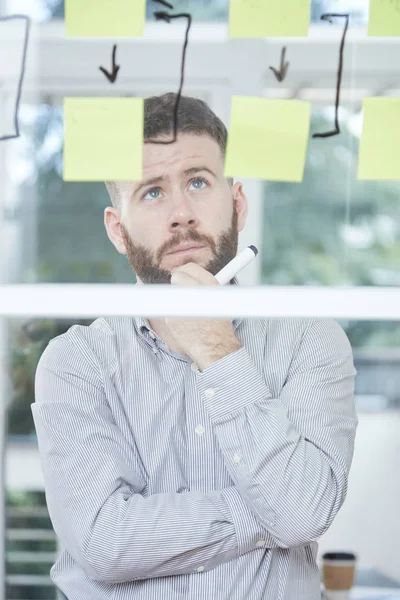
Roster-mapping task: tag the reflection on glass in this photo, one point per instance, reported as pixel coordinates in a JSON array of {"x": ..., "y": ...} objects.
[
  {"x": 332, "y": 229},
  {"x": 201, "y": 10},
  {"x": 329, "y": 230},
  {"x": 57, "y": 227}
]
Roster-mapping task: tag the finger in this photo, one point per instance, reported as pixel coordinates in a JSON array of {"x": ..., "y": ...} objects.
[
  {"x": 197, "y": 272},
  {"x": 182, "y": 278}
]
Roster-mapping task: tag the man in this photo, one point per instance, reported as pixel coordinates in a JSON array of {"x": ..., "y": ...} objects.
[{"x": 191, "y": 458}]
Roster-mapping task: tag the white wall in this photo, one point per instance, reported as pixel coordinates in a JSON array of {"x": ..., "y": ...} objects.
[{"x": 369, "y": 520}]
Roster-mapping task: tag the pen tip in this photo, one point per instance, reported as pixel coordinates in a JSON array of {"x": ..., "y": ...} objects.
[{"x": 254, "y": 249}]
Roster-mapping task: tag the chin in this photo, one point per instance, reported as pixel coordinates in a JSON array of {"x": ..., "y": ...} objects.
[{"x": 186, "y": 260}]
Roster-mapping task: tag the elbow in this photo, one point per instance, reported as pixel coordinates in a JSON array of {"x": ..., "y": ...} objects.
[
  {"x": 105, "y": 564},
  {"x": 304, "y": 523},
  {"x": 96, "y": 567},
  {"x": 95, "y": 559},
  {"x": 101, "y": 571},
  {"x": 291, "y": 537},
  {"x": 100, "y": 568}
]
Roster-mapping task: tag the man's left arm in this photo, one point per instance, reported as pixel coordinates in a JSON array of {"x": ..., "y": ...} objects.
[{"x": 290, "y": 456}]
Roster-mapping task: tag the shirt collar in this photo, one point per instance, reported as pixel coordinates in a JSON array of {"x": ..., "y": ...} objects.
[{"x": 143, "y": 324}]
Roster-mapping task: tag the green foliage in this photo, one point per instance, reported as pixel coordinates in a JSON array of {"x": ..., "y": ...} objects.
[
  {"x": 28, "y": 500},
  {"x": 332, "y": 229}
]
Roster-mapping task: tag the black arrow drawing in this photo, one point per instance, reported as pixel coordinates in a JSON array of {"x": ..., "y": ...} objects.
[
  {"x": 167, "y": 4},
  {"x": 163, "y": 16},
  {"x": 115, "y": 68},
  {"x": 22, "y": 73},
  {"x": 327, "y": 17},
  {"x": 281, "y": 74}
]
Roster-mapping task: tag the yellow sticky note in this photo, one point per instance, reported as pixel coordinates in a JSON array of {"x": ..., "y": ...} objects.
[
  {"x": 384, "y": 18},
  {"x": 105, "y": 18},
  {"x": 268, "y": 139},
  {"x": 103, "y": 139},
  {"x": 269, "y": 18},
  {"x": 380, "y": 139}
]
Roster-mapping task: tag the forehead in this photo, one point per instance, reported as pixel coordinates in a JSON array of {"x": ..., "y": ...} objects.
[
  {"x": 166, "y": 160},
  {"x": 188, "y": 148}
]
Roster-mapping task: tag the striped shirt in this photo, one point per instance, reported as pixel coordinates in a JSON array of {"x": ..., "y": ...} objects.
[{"x": 164, "y": 482}]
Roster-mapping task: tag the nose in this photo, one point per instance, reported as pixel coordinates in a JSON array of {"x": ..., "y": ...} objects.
[{"x": 182, "y": 215}]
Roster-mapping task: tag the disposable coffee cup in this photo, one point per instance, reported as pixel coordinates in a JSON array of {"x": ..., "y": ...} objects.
[{"x": 339, "y": 569}]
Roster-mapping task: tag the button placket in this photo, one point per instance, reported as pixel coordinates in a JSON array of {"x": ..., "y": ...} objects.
[
  {"x": 209, "y": 394},
  {"x": 200, "y": 430},
  {"x": 200, "y": 445}
]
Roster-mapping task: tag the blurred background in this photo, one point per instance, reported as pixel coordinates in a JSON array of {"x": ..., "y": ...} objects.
[{"x": 330, "y": 230}]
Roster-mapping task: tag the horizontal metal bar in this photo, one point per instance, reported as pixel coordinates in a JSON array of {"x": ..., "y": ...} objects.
[
  {"x": 27, "y": 511},
  {"x": 31, "y": 557},
  {"x": 90, "y": 301},
  {"x": 30, "y": 534},
  {"x": 29, "y": 580}
]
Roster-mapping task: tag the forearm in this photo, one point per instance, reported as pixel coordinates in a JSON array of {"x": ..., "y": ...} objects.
[
  {"x": 289, "y": 456},
  {"x": 205, "y": 356},
  {"x": 171, "y": 534}
]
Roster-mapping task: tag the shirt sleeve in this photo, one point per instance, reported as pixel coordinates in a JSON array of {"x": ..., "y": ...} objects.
[
  {"x": 289, "y": 456},
  {"x": 96, "y": 496}
]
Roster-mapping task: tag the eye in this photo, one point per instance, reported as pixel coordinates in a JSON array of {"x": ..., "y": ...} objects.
[
  {"x": 150, "y": 192},
  {"x": 199, "y": 179}
]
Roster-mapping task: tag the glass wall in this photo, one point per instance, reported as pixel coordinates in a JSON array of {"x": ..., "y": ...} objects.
[
  {"x": 201, "y": 10},
  {"x": 330, "y": 230},
  {"x": 32, "y": 545}
]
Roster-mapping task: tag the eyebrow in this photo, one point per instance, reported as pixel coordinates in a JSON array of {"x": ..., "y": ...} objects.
[{"x": 162, "y": 178}]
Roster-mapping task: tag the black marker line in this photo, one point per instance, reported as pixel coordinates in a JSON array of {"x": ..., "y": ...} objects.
[
  {"x": 281, "y": 74},
  {"x": 167, "y": 4},
  {"x": 166, "y": 17},
  {"x": 21, "y": 78},
  {"x": 326, "y": 17},
  {"x": 112, "y": 77}
]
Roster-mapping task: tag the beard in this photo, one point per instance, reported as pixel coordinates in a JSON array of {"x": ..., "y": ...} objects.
[{"x": 145, "y": 264}]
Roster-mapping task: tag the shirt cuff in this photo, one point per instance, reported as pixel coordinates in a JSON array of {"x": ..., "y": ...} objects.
[
  {"x": 250, "y": 535},
  {"x": 230, "y": 384}
]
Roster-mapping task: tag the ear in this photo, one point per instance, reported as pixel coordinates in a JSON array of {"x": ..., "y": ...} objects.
[
  {"x": 112, "y": 223},
  {"x": 241, "y": 203}
]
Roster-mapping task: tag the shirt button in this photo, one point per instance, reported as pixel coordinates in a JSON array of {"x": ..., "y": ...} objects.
[
  {"x": 236, "y": 458},
  {"x": 194, "y": 368},
  {"x": 200, "y": 569},
  {"x": 199, "y": 430},
  {"x": 209, "y": 393},
  {"x": 260, "y": 544}
]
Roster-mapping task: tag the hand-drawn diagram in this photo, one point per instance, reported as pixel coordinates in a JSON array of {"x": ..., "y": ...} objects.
[
  {"x": 115, "y": 68},
  {"x": 164, "y": 16},
  {"x": 281, "y": 74},
  {"x": 327, "y": 17},
  {"x": 3, "y": 21}
]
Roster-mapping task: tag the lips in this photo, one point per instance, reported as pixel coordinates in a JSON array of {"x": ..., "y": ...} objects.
[{"x": 185, "y": 247}]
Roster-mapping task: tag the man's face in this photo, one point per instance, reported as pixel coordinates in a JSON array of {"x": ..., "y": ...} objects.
[{"x": 193, "y": 203}]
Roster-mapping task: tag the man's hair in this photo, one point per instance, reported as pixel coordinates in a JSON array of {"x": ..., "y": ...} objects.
[{"x": 194, "y": 116}]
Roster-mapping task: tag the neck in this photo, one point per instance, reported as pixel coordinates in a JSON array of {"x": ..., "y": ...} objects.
[
  {"x": 158, "y": 324},
  {"x": 161, "y": 329}
]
